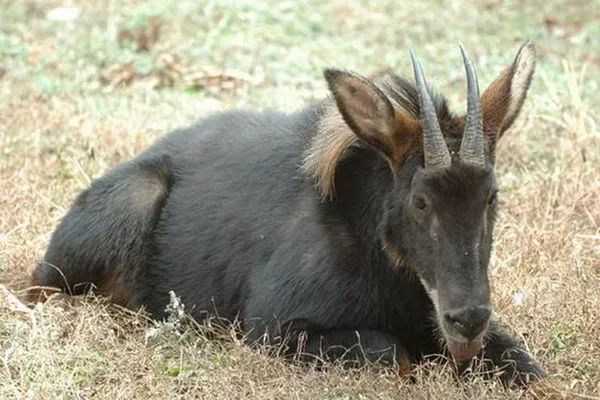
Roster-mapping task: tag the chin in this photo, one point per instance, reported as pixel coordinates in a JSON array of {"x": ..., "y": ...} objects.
[{"x": 464, "y": 350}]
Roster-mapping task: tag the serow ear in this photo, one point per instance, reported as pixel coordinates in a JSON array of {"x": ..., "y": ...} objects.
[
  {"x": 365, "y": 108},
  {"x": 502, "y": 100}
]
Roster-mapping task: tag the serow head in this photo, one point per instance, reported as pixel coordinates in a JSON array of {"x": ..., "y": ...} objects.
[{"x": 438, "y": 216}]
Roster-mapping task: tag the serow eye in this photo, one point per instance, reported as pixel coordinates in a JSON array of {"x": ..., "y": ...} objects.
[
  {"x": 419, "y": 202},
  {"x": 493, "y": 199}
]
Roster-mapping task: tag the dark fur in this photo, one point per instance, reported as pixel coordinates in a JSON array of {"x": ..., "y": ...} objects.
[{"x": 221, "y": 214}]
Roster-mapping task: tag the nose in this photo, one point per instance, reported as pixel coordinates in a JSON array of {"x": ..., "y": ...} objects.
[{"x": 469, "y": 322}]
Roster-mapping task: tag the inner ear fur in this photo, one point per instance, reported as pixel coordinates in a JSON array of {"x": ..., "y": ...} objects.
[
  {"x": 372, "y": 116},
  {"x": 364, "y": 107},
  {"x": 502, "y": 100},
  {"x": 361, "y": 115}
]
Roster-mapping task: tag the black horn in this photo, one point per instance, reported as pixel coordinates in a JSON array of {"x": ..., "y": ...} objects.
[
  {"x": 434, "y": 145},
  {"x": 471, "y": 147}
]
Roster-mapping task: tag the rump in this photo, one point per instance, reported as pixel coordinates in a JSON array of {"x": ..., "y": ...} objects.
[{"x": 104, "y": 238}]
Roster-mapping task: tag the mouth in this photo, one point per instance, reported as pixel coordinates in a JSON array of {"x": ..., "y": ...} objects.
[
  {"x": 464, "y": 350},
  {"x": 461, "y": 348}
]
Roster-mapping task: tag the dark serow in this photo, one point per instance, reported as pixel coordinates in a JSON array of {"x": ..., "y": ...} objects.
[{"x": 359, "y": 227}]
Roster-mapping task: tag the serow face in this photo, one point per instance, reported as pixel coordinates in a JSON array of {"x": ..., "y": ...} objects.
[
  {"x": 451, "y": 214},
  {"x": 444, "y": 212}
]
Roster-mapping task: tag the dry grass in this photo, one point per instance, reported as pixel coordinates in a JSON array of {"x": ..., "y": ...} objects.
[{"x": 60, "y": 126}]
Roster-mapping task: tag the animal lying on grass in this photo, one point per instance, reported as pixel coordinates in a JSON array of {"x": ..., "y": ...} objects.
[{"x": 359, "y": 228}]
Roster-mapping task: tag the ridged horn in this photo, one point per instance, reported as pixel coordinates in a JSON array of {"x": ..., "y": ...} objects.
[
  {"x": 434, "y": 146},
  {"x": 471, "y": 146}
]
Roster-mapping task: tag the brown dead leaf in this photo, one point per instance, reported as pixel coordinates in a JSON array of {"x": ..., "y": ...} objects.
[
  {"x": 173, "y": 73},
  {"x": 561, "y": 28},
  {"x": 550, "y": 21},
  {"x": 116, "y": 75},
  {"x": 216, "y": 79},
  {"x": 169, "y": 71},
  {"x": 143, "y": 37}
]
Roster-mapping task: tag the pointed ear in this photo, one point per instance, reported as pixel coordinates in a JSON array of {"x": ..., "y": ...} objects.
[
  {"x": 502, "y": 100},
  {"x": 365, "y": 108}
]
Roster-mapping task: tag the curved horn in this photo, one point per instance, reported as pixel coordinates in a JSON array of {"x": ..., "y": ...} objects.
[
  {"x": 434, "y": 145},
  {"x": 471, "y": 147}
]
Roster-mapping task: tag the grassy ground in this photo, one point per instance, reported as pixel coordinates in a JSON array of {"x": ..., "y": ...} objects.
[{"x": 79, "y": 95}]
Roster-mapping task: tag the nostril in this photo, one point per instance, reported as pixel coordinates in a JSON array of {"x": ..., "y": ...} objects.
[
  {"x": 451, "y": 319},
  {"x": 455, "y": 323},
  {"x": 469, "y": 322}
]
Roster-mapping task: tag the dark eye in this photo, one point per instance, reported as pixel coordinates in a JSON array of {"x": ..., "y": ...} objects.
[
  {"x": 419, "y": 202},
  {"x": 493, "y": 199}
]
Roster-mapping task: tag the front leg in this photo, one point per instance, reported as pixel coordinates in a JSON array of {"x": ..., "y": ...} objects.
[
  {"x": 506, "y": 358},
  {"x": 354, "y": 347},
  {"x": 358, "y": 347}
]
